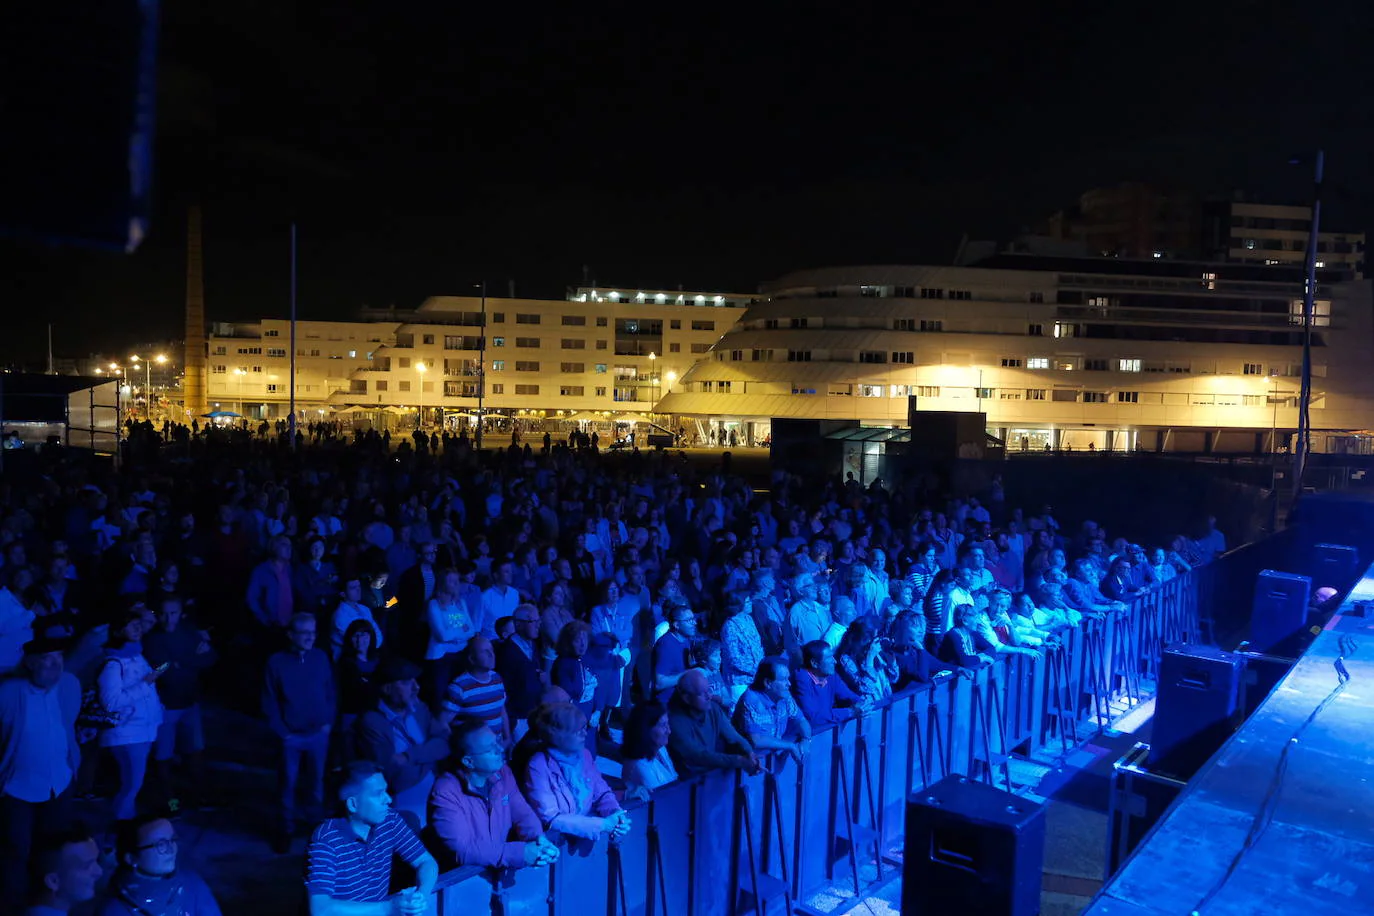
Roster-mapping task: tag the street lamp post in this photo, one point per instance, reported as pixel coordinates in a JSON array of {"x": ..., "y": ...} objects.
[
  {"x": 1274, "y": 421},
  {"x": 420, "y": 411},
  {"x": 653, "y": 375},
  {"x": 161, "y": 359},
  {"x": 240, "y": 372},
  {"x": 482, "y": 367}
]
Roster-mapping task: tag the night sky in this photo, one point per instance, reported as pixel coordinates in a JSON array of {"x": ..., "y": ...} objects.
[{"x": 424, "y": 146}]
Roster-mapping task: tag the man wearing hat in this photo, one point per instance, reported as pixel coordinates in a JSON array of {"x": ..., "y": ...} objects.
[
  {"x": 401, "y": 736},
  {"x": 39, "y": 755}
]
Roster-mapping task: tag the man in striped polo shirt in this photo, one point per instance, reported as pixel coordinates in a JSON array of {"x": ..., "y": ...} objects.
[
  {"x": 478, "y": 690},
  {"x": 348, "y": 861}
]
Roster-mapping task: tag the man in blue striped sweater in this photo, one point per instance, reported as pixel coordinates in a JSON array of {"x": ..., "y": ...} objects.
[{"x": 348, "y": 862}]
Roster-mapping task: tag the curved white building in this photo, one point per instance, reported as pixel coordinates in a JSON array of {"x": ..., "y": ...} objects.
[{"x": 1068, "y": 352}]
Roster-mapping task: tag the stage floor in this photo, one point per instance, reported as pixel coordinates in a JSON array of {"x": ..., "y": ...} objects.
[{"x": 1316, "y": 854}]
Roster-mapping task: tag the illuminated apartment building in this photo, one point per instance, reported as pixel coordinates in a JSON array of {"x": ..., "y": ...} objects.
[
  {"x": 601, "y": 351},
  {"x": 1069, "y": 352}
]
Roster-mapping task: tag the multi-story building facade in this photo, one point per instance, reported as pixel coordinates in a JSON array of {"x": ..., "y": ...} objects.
[
  {"x": 601, "y": 351},
  {"x": 1257, "y": 233},
  {"x": 1137, "y": 221},
  {"x": 1061, "y": 352}
]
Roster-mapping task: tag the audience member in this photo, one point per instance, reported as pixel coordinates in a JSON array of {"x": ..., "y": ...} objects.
[
  {"x": 188, "y": 652},
  {"x": 354, "y": 672},
  {"x": 768, "y": 716},
  {"x": 702, "y": 738},
  {"x": 401, "y": 736},
  {"x": 66, "y": 868},
  {"x": 349, "y": 858},
  {"x": 646, "y": 763},
  {"x": 823, "y": 697},
  {"x": 39, "y": 756},
  {"x": 561, "y": 780},
  {"x": 672, "y": 653},
  {"x": 300, "y": 703},
  {"x": 476, "y": 811},
  {"x": 125, "y": 687},
  {"x": 478, "y": 691},
  {"x": 148, "y": 881}
]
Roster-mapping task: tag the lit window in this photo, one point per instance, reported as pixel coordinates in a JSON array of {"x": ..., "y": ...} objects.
[
  {"x": 1038, "y": 362},
  {"x": 1128, "y": 365}
]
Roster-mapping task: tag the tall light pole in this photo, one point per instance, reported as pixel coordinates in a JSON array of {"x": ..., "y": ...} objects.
[
  {"x": 116, "y": 370},
  {"x": 1274, "y": 421},
  {"x": 161, "y": 360},
  {"x": 240, "y": 372},
  {"x": 420, "y": 411},
  {"x": 482, "y": 366},
  {"x": 653, "y": 375},
  {"x": 1303, "y": 445}
]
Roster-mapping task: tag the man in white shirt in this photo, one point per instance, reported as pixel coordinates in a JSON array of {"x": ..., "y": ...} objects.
[
  {"x": 501, "y": 599},
  {"x": 39, "y": 756}
]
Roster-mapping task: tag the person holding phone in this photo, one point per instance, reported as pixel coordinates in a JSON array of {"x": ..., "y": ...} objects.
[{"x": 126, "y": 686}]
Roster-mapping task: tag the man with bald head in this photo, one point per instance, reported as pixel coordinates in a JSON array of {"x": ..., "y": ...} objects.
[{"x": 702, "y": 737}]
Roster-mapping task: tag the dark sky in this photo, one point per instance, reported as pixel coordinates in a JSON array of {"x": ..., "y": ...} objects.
[{"x": 424, "y": 146}]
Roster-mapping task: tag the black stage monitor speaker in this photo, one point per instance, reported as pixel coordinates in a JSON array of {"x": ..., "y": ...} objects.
[
  {"x": 1279, "y": 611},
  {"x": 970, "y": 849},
  {"x": 1196, "y": 707},
  {"x": 1334, "y": 565}
]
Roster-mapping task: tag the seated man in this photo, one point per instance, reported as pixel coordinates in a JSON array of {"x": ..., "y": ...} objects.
[
  {"x": 768, "y": 716},
  {"x": 66, "y": 867},
  {"x": 823, "y": 698},
  {"x": 477, "y": 812},
  {"x": 702, "y": 737},
  {"x": 348, "y": 861},
  {"x": 148, "y": 880}
]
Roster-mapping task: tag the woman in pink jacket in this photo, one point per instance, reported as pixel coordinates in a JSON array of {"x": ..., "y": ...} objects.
[{"x": 562, "y": 783}]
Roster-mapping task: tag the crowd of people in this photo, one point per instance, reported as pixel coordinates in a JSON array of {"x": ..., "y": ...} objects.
[{"x": 477, "y": 658}]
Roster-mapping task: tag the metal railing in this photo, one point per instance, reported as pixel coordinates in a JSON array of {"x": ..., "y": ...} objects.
[{"x": 727, "y": 843}]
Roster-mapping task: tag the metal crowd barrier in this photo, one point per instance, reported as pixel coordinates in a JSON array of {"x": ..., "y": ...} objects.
[{"x": 727, "y": 843}]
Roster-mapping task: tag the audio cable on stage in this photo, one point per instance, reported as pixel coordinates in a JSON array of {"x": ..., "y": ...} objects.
[{"x": 1265, "y": 815}]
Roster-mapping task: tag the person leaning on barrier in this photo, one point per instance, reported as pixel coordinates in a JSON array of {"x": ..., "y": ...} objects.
[
  {"x": 476, "y": 811},
  {"x": 768, "y": 716},
  {"x": 702, "y": 737},
  {"x": 349, "y": 859},
  {"x": 1119, "y": 583},
  {"x": 646, "y": 763},
  {"x": 823, "y": 697},
  {"x": 561, "y": 780},
  {"x": 964, "y": 645},
  {"x": 906, "y": 648}
]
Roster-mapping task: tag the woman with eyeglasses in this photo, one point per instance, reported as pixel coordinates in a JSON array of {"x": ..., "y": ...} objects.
[
  {"x": 561, "y": 780},
  {"x": 148, "y": 881}
]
